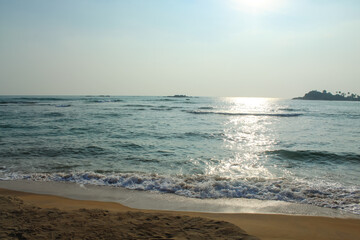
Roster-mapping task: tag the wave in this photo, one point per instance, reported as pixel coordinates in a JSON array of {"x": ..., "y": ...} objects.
[
  {"x": 337, "y": 115},
  {"x": 104, "y": 100},
  {"x": 54, "y": 114},
  {"x": 165, "y": 100},
  {"x": 7, "y": 126},
  {"x": 162, "y": 109},
  {"x": 27, "y": 127},
  {"x": 63, "y": 105},
  {"x": 248, "y": 114},
  {"x": 200, "y": 186},
  {"x": 80, "y": 152},
  {"x": 186, "y": 135},
  {"x": 142, "y": 107},
  {"x": 129, "y": 145},
  {"x": 115, "y": 114},
  {"x": 18, "y": 102},
  {"x": 292, "y": 109},
  {"x": 138, "y": 105},
  {"x": 315, "y": 156}
]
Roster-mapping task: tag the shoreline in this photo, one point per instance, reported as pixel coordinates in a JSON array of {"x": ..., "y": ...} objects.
[
  {"x": 263, "y": 226},
  {"x": 146, "y": 200}
]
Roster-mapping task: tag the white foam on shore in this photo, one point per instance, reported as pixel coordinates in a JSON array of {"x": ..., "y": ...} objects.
[
  {"x": 158, "y": 201},
  {"x": 329, "y": 195}
]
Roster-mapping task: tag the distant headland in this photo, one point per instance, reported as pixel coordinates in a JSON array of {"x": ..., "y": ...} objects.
[{"x": 328, "y": 96}]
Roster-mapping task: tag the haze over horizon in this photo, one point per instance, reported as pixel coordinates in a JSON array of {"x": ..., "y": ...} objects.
[{"x": 244, "y": 48}]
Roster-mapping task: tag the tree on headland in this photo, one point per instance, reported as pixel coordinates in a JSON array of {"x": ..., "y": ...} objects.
[{"x": 325, "y": 95}]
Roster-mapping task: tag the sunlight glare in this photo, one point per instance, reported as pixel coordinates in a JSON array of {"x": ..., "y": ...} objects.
[{"x": 258, "y": 6}]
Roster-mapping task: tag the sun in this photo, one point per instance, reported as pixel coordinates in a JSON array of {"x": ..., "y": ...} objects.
[{"x": 258, "y": 6}]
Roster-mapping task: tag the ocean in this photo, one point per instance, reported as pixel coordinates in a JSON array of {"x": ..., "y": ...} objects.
[{"x": 295, "y": 151}]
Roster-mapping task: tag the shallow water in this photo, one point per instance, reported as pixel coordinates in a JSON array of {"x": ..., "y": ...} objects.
[
  {"x": 267, "y": 149},
  {"x": 169, "y": 202}
]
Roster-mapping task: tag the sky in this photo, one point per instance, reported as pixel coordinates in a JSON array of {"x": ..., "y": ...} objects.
[{"x": 239, "y": 48}]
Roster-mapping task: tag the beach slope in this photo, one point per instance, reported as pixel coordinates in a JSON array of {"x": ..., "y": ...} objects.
[
  {"x": 28, "y": 216},
  {"x": 34, "y": 216}
]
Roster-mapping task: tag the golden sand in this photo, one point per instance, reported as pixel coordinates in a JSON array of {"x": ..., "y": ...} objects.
[{"x": 35, "y": 216}]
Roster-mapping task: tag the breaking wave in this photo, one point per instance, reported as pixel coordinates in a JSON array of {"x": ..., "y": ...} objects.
[
  {"x": 315, "y": 156},
  {"x": 200, "y": 186}
]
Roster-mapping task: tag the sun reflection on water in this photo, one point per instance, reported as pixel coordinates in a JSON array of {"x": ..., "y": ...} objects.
[
  {"x": 246, "y": 136},
  {"x": 249, "y": 104}
]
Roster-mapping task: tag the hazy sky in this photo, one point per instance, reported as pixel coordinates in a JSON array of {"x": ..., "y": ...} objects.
[{"x": 259, "y": 48}]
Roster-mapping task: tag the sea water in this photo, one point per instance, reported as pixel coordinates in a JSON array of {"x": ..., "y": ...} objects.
[{"x": 197, "y": 147}]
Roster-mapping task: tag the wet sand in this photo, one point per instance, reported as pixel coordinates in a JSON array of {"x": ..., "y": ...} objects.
[{"x": 36, "y": 216}]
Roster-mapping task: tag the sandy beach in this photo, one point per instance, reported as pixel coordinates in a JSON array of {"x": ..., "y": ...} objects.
[
  {"x": 37, "y": 216},
  {"x": 198, "y": 119}
]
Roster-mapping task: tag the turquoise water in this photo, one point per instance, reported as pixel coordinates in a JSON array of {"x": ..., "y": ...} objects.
[{"x": 269, "y": 149}]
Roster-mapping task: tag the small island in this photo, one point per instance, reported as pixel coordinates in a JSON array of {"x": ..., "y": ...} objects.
[{"x": 328, "y": 96}]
